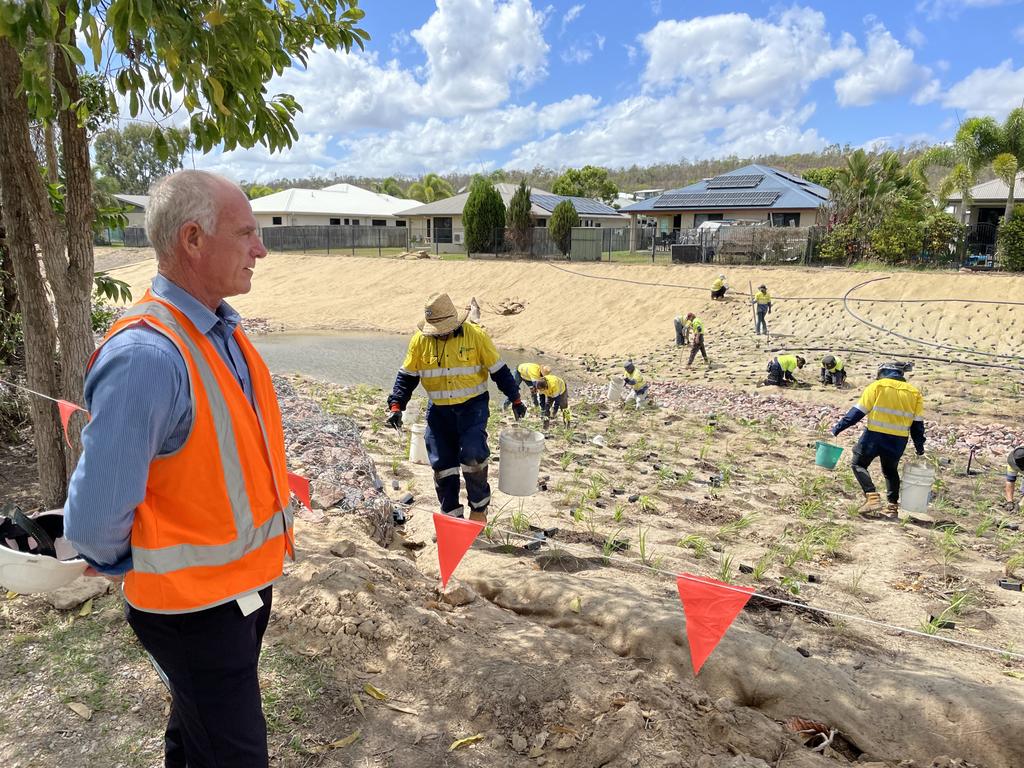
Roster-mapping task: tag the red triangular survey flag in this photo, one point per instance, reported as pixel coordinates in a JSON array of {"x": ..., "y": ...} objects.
[
  {"x": 454, "y": 535},
  {"x": 66, "y": 409},
  {"x": 299, "y": 485},
  {"x": 710, "y": 607}
]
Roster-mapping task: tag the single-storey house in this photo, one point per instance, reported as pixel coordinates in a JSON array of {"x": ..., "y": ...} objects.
[
  {"x": 988, "y": 201},
  {"x": 754, "y": 193},
  {"x": 136, "y": 205},
  {"x": 336, "y": 205},
  {"x": 441, "y": 220}
]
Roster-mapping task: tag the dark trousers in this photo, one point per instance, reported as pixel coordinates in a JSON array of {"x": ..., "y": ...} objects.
[
  {"x": 761, "y": 324},
  {"x": 720, "y": 293},
  {"x": 682, "y": 331},
  {"x": 697, "y": 346},
  {"x": 456, "y": 438},
  {"x": 557, "y": 403},
  {"x": 210, "y": 658},
  {"x": 776, "y": 376},
  {"x": 838, "y": 378},
  {"x": 873, "y": 446}
]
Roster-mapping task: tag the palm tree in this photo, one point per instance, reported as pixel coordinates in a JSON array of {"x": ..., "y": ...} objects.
[
  {"x": 389, "y": 186},
  {"x": 430, "y": 188}
]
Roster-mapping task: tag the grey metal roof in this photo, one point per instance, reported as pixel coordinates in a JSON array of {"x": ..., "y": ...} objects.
[
  {"x": 776, "y": 190},
  {"x": 583, "y": 205},
  {"x": 543, "y": 203},
  {"x": 139, "y": 201},
  {"x": 994, "y": 190}
]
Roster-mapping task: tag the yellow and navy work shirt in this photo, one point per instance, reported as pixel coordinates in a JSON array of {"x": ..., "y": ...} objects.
[
  {"x": 551, "y": 385},
  {"x": 836, "y": 366},
  {"x": 762, "y": 298},
  {"x": 636, "y": 378},
  {"x": 530, "y": 372},
  {"x": 891, "y": 406},
  {"x": 787, "y": 363},
  {"x": 455, "y": 368},
  {"x": 717, "y": 285}
]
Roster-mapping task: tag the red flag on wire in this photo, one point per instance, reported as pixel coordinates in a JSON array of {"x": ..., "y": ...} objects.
[
  {"x": 454, "y": 535},
  {"x": 66, "y": 409},
  {"x": 710, "y": 607},
  {"x": 299, "y": 485}
]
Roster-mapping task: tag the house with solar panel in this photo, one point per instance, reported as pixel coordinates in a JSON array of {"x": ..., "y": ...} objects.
[
  {"x": 753, "y": 194},
  {"x": 440, "y": 222}
]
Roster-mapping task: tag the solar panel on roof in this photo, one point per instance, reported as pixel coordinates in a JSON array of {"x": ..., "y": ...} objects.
[
  {"x": 739, "y": 181},
  {"x": 581, "y": 204},
  {"x": 717, "y": 199}
]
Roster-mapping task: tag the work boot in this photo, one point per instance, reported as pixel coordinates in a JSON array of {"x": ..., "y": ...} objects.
[
  {"x": 892, "y": 509},
  {"x": 872, "y": 503},
  {"x": 478, "y": 515}
]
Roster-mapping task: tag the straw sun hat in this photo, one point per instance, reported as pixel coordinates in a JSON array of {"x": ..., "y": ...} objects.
[{"x": 440, "y": 317}]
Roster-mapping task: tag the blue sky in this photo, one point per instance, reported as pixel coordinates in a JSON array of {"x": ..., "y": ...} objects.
[{"x": 481, "y": 84}]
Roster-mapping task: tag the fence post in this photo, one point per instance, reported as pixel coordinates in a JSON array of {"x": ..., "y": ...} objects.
[
  {"x": 378, "y": 242},
  {"x": 654, "y": 242},
  {"x": 328, "y": 241}
]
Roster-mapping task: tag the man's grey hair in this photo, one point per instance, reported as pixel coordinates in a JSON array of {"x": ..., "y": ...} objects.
[{"x": 177, "y": 199}]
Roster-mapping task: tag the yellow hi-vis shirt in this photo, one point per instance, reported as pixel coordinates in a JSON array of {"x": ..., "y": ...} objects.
[
  {"x": 719, "y": 282},
  {"x": 891, "y": 406},
  {"x": 454, "y": 369},
  {"x": 697, "y": 325},
  {"x": 762, "y": 297},
  {"x": 787, "y": 362},
  {"x": 838, "y": 366},
  {"x": 530, "y": 371},
  {"x": 638, "y": 379},
  {"x": 551, "y": 385}
]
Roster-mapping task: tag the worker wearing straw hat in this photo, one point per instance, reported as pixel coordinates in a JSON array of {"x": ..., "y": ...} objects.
[{"x": 453, "y": 358}]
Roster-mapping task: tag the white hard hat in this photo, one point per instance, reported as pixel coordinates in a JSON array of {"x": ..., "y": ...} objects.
[{"x": 34, "y": 555}]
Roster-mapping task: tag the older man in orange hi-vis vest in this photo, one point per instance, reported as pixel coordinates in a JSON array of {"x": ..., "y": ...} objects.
[{"x": 181, "y": 489}]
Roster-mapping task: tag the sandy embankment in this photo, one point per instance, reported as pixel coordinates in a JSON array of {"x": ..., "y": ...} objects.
[{"x": 577, "y": 314}]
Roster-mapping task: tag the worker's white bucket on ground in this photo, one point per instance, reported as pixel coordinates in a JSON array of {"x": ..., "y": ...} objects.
[
  {"x": 916, "y": 488},
  {"x": 614, "y": 389},
  {"x": 519, "y": 465},
  {"x": 418, "y": 444}
]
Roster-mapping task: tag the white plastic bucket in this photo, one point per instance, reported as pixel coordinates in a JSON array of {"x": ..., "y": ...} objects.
[
  {"x": 916, "y": 488},
  {"x": 418, "y": 444},
  {"x": 614, "y": 389},
  {"x": 519, "y": 465}
]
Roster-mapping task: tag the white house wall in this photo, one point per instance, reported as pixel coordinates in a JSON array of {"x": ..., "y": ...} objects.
[
  {"x": 306, "y": 219},
  {"x": 808, "y": 217}
]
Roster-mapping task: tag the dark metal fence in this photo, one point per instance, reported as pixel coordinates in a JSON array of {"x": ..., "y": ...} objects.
[
  {"x": 129, "y": 237},
  {"x": 737, "y": 245},
  {"x": 335, "y": 239}
]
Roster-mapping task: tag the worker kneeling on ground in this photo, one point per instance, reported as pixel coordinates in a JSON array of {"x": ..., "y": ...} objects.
[
  {"x": 638, "y": 386},
  {"x": 453, "y": 358},
  {"x": 529, "y": 374},
  {"x": 895, "y": 412},
  {"x": 780, "y": 370},
  {"x": 718, "y": 288},
  {"x": 1014, "y": 462},
  {"x": 833, "y": 371},
  {"x": 556, "y": 398}
]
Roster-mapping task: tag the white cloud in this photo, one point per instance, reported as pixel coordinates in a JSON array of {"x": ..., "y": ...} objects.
[
  {"x": 886, "y": 69},
  {"x": 936, "y": 9},
  {"x": 600, "y": 40},
  {"x": 631, "y": 52},
  {"x": 400, "y": 40},
  {"x": 571, "y": 15},
  {"x": 994, "y": 91},
  {"x": 656, "y": 7},
  {"x": 916, "y": 37},
  {"x": 1018, "y": 33},
  {"x": 576, "y": 54}
]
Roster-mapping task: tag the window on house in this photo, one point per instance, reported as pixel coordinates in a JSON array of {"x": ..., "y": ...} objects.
[
  {"x": 335, "y": 222},
  {"x": 379, "y": 222},
  {"x": 275, "y": 221},
  {"x": 400, "y": 223},
  {"x": 700, "y": 218},
  {"x": 355, "y": 222},
  {"x": 785, "y": 219},
  {"x": 346, "y": 222},
  {"x": 542, "y": 222}
]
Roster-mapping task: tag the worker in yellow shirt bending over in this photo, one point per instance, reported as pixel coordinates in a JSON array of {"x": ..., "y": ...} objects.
[
  {"x": 895, "y": 412},
  {"x": 452, "y": 359},
  {"x": 833, "y": 371},
  {"x": 529, "y": 374},
  {"x": 554, "y": 398},
  {"x": 718, "y": 288},
  {"x": 782, "y": 368},
  {"x": 638, "y": 386}
]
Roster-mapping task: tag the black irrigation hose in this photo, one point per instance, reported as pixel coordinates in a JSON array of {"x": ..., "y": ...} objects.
[
  {"x": 953, "y": 361},
  {"x": 790, "y": 298},
  {"x": 922, "y": 342}
]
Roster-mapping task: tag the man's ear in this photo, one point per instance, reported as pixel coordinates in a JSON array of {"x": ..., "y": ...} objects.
[{"x": 190, "y": 236}]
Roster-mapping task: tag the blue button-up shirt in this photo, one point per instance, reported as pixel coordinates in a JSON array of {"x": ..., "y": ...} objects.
[{"x": 137, "y": 394}]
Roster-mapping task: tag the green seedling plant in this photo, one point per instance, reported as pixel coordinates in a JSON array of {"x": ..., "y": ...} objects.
[
  {"x": 645, "y": 550},
  {"x": 565, "y": 460},
  {"x": 725, "y": 569},
  {"x": 698, "y": 544},
  {"x": 764, "y": 562},
  {"x": 735, "y": 527},
  {"x": 618, "y": 512},
  {"x": 647, "y": 504},
  {"x": 1013, "y": 563},
  {"x": 611, "y": 545}
]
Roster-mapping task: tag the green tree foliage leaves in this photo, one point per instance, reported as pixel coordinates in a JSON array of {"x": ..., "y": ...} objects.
[
  {"x": 520, "y": 220},
  {"x": 1011, "y": 241},
  {"x": 563, "y": 219},
  {"x": 483, "y": 216},
  {"x": 430, "y": 188},
  {"x": 131, "y": 159},
  {"x": 588, "y": 181}
]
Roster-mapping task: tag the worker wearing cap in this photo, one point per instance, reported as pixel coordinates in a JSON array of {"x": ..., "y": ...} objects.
[
  {"x": 637, "y": 384},
  {"x": 1014, "y": 462},
  {"x": 697, "y": 333},
  {"x": 682, "y": 326},
  {"x": 763, "y": 305},
  {"x": 833, "y": 371},
  {"x": 895, "y": 413},
  {"x": 556, "y": 397},
  {"x": 782, "y": 368},
  {"x": 529, "y": 374},
  {"x": 718, "y": 288},
  {"x": 452, "y": 359}
]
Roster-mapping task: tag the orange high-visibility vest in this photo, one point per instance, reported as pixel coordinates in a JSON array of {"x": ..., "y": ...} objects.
[{"x": 216, "y": 522}]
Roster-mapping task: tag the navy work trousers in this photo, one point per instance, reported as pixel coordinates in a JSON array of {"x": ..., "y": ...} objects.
[
  {"x": 210, "y": 658},
  {"x": 761, "y": 324},
  {"x": 889, "y": 450},
  {"x": 456, "y": 438}
]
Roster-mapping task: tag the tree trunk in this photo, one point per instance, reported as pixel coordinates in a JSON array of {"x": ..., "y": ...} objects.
[
  {"x": 75, "y": 313},
  {"x": 1008, "y": 213},
  {"x": 40, "y": 340},
  {"x": 30, "y": 221}
]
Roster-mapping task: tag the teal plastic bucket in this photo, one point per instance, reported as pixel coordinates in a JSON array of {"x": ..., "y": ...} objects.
[{"x": 827, "y": 455}]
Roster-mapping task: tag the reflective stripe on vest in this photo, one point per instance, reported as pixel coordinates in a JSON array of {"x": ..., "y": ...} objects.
[
  {"x": 449, "y": 394},
  {"x": 433, "y": 373},
  {"x": 895, "y": 429}
]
